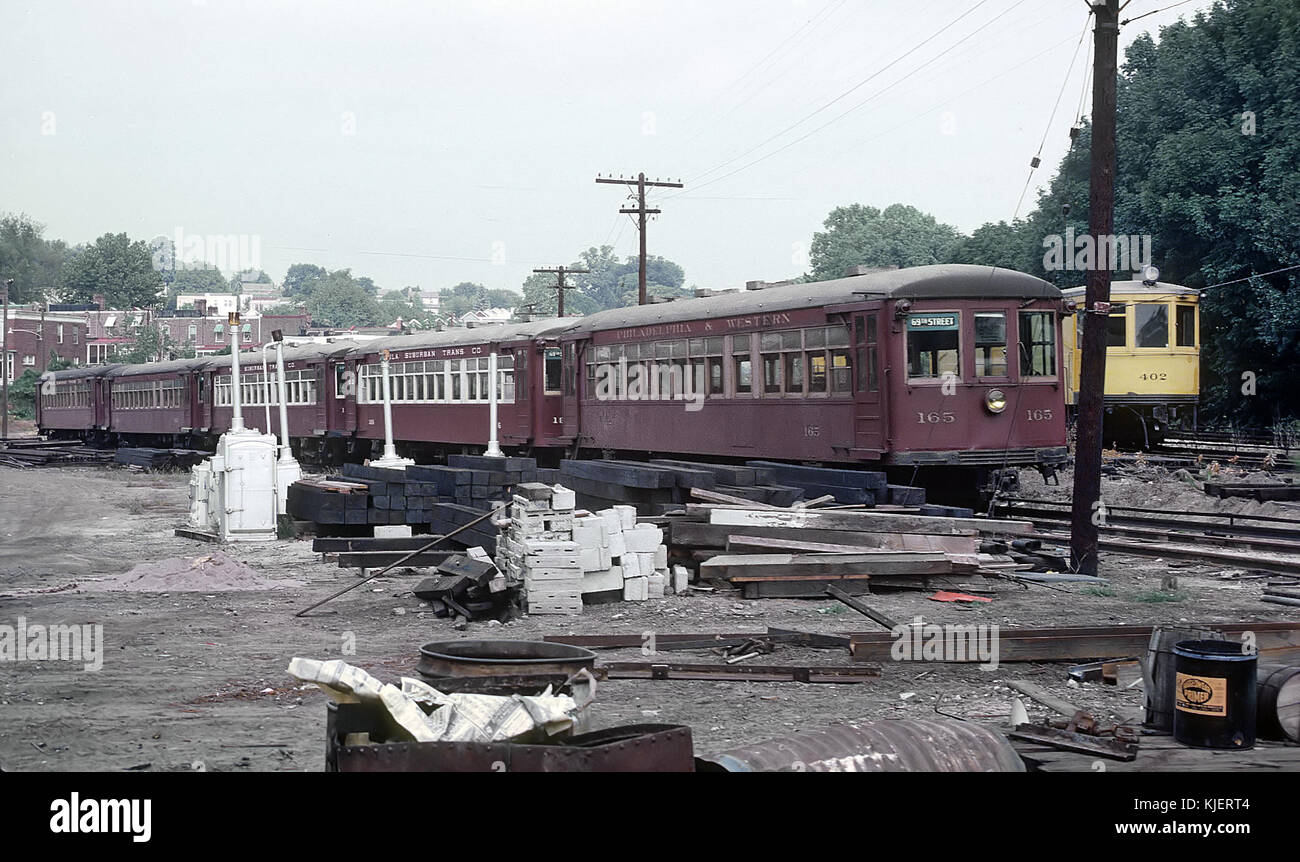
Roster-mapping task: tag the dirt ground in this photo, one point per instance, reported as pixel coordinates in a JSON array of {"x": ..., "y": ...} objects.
[{"x": 194, "y": 680}]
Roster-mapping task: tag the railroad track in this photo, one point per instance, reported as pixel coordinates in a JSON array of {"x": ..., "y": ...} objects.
[
  {"x": 1255, "y": 541},
  {"x": 1277, "y": 453}
]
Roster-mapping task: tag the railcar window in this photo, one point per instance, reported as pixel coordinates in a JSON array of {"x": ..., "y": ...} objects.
[
  {"x": 1116, "y": 327},
  {"x": 743, "y": 369},
  {"x": 551, "y": 371},
  {"x": 1185, "y": 325},
  {"x": 1152, "y": 323},
  {"x": 990, "y": 344},
  {"x": 1037, "y": 344},
  {"x": 706, "y": 364},
  {"x": 933, "y": 345}
]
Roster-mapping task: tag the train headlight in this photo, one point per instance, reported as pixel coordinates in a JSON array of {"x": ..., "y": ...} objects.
[{"x": 995, "y": 400}]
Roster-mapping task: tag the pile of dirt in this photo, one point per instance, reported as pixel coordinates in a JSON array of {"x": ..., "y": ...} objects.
[{"x": 210, "y": 573}]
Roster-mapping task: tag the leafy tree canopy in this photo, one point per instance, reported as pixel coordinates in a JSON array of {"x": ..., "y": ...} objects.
[
  {"x": 858, "y": 235},
  {"x": 117, "y": 267}
]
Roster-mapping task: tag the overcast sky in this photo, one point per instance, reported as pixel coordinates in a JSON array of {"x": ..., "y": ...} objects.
[{"x": 432, "y": 143}]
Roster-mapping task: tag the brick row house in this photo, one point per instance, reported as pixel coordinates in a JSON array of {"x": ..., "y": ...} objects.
[{"x": 31, "y": 337}]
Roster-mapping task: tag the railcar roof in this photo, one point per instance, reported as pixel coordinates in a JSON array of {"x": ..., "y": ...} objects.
[
  {"x": 157, "y": 367},
  {"x": 943, "y": 281},
  {"x": 82, "y": 371},
  {"x": 292, "y": 353},
  {"x": 490, "y": 333},
  {"x": 1139, "y": 288}
]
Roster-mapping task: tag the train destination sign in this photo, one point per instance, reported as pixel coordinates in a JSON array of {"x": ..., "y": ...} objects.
[{"x": 932, "y": 322}]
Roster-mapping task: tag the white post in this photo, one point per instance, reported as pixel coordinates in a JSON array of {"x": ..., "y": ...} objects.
[
  {"x": 286, "y": 453},
  {"x": 493, "y": 447},
  {"x": 389, "y": 458},
  {"x": 266, "y": 388},
  {"x": 237, "y": 420},
  {"x": 287, "y": 470}
]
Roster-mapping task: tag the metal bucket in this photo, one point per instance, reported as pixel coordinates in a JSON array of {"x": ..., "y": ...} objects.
[{"x": 1214, "y": 694}]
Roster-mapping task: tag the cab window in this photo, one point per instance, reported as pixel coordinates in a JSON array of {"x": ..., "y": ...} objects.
[
  {"x": 990, "y": 344},
  {"x": 1037, "y": 344},
  {"x": 1151, "y": 323},
  {"x": 1185, "y": 325},
  {"x": 551, "y": 371},
  {"x": 933, "y": 345}
]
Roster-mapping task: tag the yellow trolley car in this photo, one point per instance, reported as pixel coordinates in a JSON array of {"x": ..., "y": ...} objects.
[{"x": 1153, "y": 361}]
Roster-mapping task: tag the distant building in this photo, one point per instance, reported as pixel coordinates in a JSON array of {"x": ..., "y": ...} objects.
[{"x": 31, "y": 337}]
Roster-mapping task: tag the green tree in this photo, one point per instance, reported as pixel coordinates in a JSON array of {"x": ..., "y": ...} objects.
[
  {"x": 610, "y": 283},
  {"x": 122, "y": 270},
  {"x": 33, "y": 262},
  {"x": 397, "y": 303},
  {"x": 194, "y": 279},
  {"x": 302, "y": 279},
  {"x": 339, "y": 301},
  {"x": 859, "y": 235}
]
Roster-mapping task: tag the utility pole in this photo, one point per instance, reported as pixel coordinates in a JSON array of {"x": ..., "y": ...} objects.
[
  {"x": 1087, "y": 512},
  {"x": 560, "y": 287},
  {"x": 640, "y": 212}
]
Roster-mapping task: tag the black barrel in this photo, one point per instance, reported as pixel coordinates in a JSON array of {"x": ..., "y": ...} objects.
[{"x": 1214, "y": 694}]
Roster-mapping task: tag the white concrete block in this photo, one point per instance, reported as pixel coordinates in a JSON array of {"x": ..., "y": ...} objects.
[
  {"x": 644, "y": 539},
  {"x": 646, "y": 563},
  {"x": 548, "y": 546},
  {"x": 616, "y": 544},
  {"x": 392, "y": 531},
  {"x": 635, "y": 589},
  {"x": 613, "y": 523},
  {"x": 655, "y": 586},
  {"x": 626, "y": 516},
  {"x": 681, "y": 579},
  {"x": 603, "y": 581},
  {"x": 661, "y": 557},
  {"x": 562, "y": 499},
  {"x": 631, "y": 566}
]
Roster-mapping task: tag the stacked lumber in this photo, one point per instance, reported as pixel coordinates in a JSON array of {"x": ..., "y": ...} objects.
[
  {"x": 158, "y": 459},
  {"x": 854, "y": 487},
  {"x": 468, "y": 585},
  {"x": 447, "y": 517},
  {"x": 50, "y": 454},
  {"x": 326, "y": 501},
  {"x": 801, "y": 552}
]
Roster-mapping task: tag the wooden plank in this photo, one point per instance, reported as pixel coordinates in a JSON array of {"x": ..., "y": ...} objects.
[
  {"x": 717, "y": 497},
  {"x": 693, "y": 534},
  {"x": 861, "y": 607},
  {"x": 792, "y": 566},
  {"x": 873, "y": 521},
  {"x": 739, "y": 672},
  {"x": 1265, "y": 562},
  {"x": 379, "y": 559},
  {"x": 627, "y": 475}
]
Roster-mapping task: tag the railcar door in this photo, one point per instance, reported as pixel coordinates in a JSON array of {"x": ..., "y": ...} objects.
[
  {"x": 344, "y": 397},
  {"x": 869, "y": 405},
  {"x": 571, "y": 358},
  {"x": 522, "y": 426},
  {"x": 320, "y": 410}
]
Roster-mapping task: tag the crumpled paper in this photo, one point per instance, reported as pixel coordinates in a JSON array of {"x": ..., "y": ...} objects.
[{"x": 455, "y": 717}]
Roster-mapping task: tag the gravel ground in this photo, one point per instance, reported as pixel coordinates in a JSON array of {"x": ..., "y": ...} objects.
[{"x": 196, "y": 680}]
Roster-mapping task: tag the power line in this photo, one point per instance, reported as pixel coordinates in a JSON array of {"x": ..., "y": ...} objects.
[
  {"x": 1038, "y": 156},
  {"x": 844, "y": 94},
  {"x": 794, "y": 38},
  {"x": 1249, "y": 277},
  {"x": 841, "y": 116},
  {"x": 560, "y": 287},
  {"x": 1145, "y": 14}
]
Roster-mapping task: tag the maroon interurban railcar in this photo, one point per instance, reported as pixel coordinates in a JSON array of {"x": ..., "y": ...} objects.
[
  {"x": 947, "y": 376},
  {"x": 439, "y": 388},
  {"x": 933, "y": 372},
  {"x": 314, "y": 400},
  {"x": 70, "y": 405}
]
